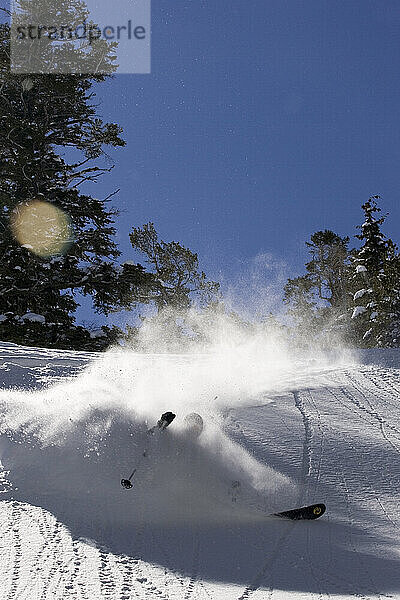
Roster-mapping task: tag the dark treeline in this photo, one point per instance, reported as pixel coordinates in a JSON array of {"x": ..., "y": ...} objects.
[{"x": 57, "y": 242}]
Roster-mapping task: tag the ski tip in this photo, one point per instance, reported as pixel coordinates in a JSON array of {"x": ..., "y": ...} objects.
[{"x": 308, "y": 513}]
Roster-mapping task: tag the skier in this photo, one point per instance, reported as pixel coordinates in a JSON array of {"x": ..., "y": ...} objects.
[
  {"x": 195, "y": 422},
  {"x": 166, "y": 419}
]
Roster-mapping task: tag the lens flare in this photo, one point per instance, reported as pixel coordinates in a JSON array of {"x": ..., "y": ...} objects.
[{"x": 42, "y": 227}]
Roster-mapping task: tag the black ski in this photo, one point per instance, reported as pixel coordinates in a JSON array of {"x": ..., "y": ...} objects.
[{"x": 309, "y": 513}]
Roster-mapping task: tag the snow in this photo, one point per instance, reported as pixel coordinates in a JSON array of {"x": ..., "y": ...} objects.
[
  {"x": 359, "y": 294},
  {"x": 290, "y": 431},
  {"x": 97, "y": 333},
  {"x": 164, "y": 284},
  {"x": 129, "y": 262},
  {"x": 373, "y": 315},
  {"x": 33, "y": 317},
  {"x": 3, "y": 318},
  {"x": 361, "y": 269},
  {"x": 358, "y": 310}
]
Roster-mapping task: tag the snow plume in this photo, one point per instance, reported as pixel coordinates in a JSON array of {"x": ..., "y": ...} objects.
[
  {"x": 257, "y": 290},
  {"x": 82, "y": 434},
  {"x": 230, "y": 368}
]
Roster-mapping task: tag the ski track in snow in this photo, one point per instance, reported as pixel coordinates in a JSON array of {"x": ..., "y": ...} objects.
[
  {"x": 302, "y": 500},
  {"x": 41, "y": 561},
  {"x": 339, "y": 443}
]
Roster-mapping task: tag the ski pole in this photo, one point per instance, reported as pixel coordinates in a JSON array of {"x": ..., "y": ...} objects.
[
  {"x": 133, "y": 472},
  {"x": 166, "y": 419}
]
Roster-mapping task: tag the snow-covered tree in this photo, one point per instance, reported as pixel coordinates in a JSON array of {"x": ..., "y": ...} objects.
[
  {"x": 55, "y": 239},
  {"x": 376, "y": 283}
]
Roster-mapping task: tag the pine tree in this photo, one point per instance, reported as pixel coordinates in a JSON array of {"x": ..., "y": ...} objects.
[
  {"x": 73, "y": 248},
  {"x": 299, "y": 295},
  {"x": 176, "y": 276},
  {"x": 329, "y": 266},
  {"x": 318, "y": 300},
  {"x": 389, "y": 334},
  {"x": 376, "y": 281}
]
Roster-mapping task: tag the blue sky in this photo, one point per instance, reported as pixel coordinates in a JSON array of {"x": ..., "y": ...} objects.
[{"x": 261, "y": 122}]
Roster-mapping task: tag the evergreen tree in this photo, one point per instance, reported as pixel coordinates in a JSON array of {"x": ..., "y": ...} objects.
[
  {"x": 55, "y": 240},
  {"x": 319, "y": 299},
  {"x": 328, "y": 268},
  {"x": 176, "y": 276},
  {"x": 299, "y": 295},
  {"x": 376, "y": 281}
]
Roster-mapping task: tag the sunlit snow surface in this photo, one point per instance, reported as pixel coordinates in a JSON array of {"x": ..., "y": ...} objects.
[{"x": 289, "y": 431}]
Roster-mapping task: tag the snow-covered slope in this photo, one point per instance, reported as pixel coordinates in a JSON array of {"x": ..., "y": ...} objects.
[{"x": 279, "y": 432}]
